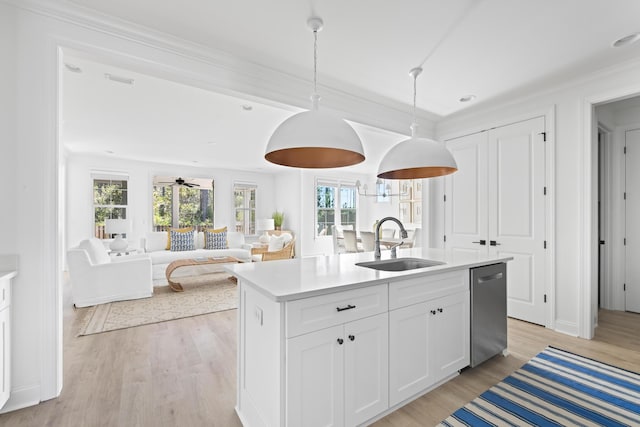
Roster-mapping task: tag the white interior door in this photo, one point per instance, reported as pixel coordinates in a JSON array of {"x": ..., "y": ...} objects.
[
  {"x": 517, "y": 213},
  {"x": 632, "y": 221},
  {"x": 495, "y": 204},
  {"x": 466, "y": 203}
]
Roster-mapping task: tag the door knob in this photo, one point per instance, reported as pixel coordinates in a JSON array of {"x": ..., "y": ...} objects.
[
  {"x": 352, "y": 337},
  {"x": 340, "y": 341}
]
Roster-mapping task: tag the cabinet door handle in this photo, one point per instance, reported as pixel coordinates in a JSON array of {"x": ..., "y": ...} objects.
[
  {"x": 349, "y": 307},
  {"x": 433, "y": 312},
  {"x": 439, "y": 310},
  {"x": 494, "y": 243},
  {"x": 352, "y": 337},
  {"x": 482, "y": 242},
  {"x": 340, "y": 341}
]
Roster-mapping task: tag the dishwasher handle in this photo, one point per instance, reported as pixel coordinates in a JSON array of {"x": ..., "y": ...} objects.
[{"x": 489, "y": 278}]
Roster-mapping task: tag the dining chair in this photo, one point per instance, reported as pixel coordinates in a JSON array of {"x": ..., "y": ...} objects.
[
  {"x": 368, "y": 239},
  {"x": 417, "y": 238},
  {"x": 338, "y": 244},
  {"x": 350, "y": 241},
  {"x": 409, "y": 241},
  {"x": 387, "y": 233}
]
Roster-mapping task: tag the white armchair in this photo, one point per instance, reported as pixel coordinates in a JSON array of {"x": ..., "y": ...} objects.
[{"x": 97, "y": 279}]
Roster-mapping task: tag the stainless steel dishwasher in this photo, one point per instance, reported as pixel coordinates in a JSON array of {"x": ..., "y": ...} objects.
[{"x": 488, "y": 312}]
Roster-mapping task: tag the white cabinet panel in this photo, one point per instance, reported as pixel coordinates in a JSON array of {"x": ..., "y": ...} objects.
[
  {"x": 5, "y": 356},
  {"x": 315, "y": 379},
  {"x": 421, "y": 289},
  {"x": 5, "y": 340},
  {"x": 339, "y": 375},
  {"x": 310, "y": 314},
  {"x": 366, "y": 368},
  {"x": 410, "y": 365},
  {"x": 428, "y": 342},
  {"x": 450, "y": 330}
]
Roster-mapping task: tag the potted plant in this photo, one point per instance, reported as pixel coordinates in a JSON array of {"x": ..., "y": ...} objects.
[{"x": 278, "y": 218}]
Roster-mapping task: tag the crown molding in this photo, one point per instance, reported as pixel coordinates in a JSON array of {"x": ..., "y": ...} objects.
[{"x": 248, "y": 78}]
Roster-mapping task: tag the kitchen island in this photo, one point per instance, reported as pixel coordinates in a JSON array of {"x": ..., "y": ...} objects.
[{"x": 322, "y": 341}]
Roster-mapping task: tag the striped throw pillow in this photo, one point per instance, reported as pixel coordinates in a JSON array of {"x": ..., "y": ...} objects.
[
  {"x": 182, "y": 241},
  {"x": 214, "y": 239}
]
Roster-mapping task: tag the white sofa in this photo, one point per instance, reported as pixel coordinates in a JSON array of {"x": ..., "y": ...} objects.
[
  {"x": 154, "y": 245},
  {"x": 96, "y": 278}
]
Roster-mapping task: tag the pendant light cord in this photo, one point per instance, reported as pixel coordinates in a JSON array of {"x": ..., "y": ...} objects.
[
  {"x": 315, "y": 98},
  {"x": 415, "y": 72},
  {"x": 415, "y": 85},
  {"x": 315, "y": 62}
]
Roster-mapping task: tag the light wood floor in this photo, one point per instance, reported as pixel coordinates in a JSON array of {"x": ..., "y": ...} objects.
[{"x": 183, "y": 373}]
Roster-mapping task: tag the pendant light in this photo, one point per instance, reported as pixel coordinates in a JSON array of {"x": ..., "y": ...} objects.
[
  {"x": 314, "y": 138},
  {"x": 416, "y": 157}
]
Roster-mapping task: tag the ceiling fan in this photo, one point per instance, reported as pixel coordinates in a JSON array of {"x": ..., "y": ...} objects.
[{"x": 180, "y": 182}]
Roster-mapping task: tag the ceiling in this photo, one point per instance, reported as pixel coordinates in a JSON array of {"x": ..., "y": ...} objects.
[{"x": 492, "y": 49}]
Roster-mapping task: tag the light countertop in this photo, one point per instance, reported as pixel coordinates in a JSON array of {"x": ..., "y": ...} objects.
[{"x": 287, "y": 280}]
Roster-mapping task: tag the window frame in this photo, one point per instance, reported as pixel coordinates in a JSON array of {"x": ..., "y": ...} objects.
[
  {"x": 108, "y": 176},
  {"x": 209, "y": 183},
  {"x": 338, "y": 184},
  {"x": 251, "y": 224}
]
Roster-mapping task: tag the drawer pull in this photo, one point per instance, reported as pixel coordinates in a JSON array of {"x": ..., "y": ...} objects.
[{"x": 349, "y": 307}]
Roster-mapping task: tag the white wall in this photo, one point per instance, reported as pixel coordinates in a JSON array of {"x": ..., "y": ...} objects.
[
  {"x": 8, "y": 148},
  {"x": 79, "y": 192},
  {"x": 570, "y": 144}
]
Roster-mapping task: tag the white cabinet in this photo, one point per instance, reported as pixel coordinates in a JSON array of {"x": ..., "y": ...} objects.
[
  {"x": 5, "y": 340},
  {"x": 338, "y": 376},
  {"x": 315, "y": 379},
  {"x": 429, "y": 341},
  {"x": 347, "y": 357}
]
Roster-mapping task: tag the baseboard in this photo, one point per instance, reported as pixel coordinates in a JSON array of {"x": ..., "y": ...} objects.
[
  {"x": 569, "y": 328},
  {"x": 21, "y": 398}
]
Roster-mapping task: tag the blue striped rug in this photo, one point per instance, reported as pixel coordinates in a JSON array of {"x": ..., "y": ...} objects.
[{"x": 557, "y": 388}]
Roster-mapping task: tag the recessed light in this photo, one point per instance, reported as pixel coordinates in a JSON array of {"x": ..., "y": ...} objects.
[
  {"x": 73, "y": 68},
  {"x": 109, "y": 152},
  {"x": 194, "y": 161},
  {"x": 118, "y": 79},
  {"x": 212, "y": 142},
  {"x": 467, "y": 98},
  {"x": 626, "y": 40},
  {"x": 247, "y": 107}
]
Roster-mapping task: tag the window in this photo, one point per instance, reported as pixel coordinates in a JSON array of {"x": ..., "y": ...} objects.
[
  {"x": 110, "y": 198},
  {"x": 178, "y": 205},
  {"x": 244, "y": 196},
  {"x": 335, "y": 200}
]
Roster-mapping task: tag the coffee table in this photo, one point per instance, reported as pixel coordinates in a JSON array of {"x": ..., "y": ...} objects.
[{"x": 177, "y": 287}]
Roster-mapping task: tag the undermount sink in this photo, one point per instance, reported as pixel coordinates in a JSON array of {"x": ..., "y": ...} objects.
[{"x": 399, "y": 264}]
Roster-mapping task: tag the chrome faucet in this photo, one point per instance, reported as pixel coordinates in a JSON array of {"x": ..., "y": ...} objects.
[{"x": 403, "y": 234}]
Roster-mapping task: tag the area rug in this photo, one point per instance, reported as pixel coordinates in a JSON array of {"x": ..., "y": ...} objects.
[
  {"x": 557, "y": 388},
  {"x": 203, "y": 294}
]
